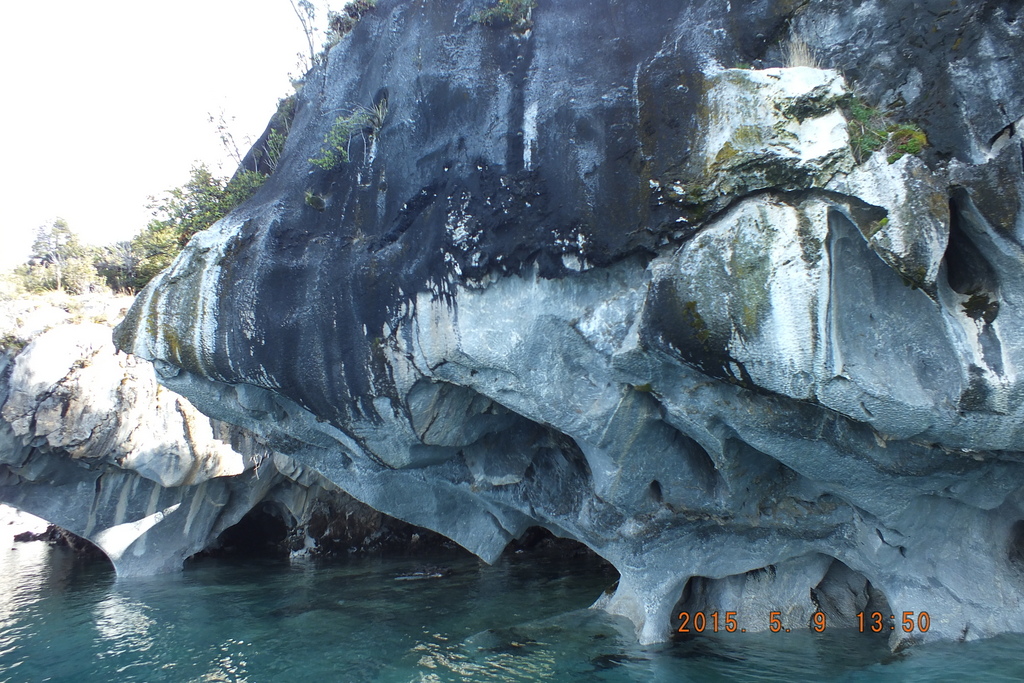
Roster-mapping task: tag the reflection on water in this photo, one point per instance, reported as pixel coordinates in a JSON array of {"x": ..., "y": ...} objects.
[
  {"x": 519, "y": 620},
  {"x": 123, "y": 623}
]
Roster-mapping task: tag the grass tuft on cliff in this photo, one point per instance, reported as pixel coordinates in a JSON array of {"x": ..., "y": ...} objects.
[
  {"x": 872, "y": 129},
  {"x": 507, "y": 13},
  {"x": 340, "y": 24},
  {"x": 335, "y": 148}
]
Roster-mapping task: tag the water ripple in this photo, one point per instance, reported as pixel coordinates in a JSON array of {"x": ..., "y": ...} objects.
[{"x": 516, "y": 621}]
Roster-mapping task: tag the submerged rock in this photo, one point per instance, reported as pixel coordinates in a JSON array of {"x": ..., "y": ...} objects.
[
  {"x": 585, "y": 276},
  {"x": 423, "y": 573},
  {"x": 29, "y": 536}
]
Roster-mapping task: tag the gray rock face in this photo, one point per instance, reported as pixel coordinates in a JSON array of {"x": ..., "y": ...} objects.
[
  {"x": 590, "y": 278},
  {"x": 89, "y": 441}
]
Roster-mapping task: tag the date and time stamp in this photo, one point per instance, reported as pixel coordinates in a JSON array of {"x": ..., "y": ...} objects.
[{"x": 867, "y": 622}]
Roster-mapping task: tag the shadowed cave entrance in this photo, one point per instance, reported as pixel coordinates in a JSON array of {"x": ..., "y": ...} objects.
[
  {"x": 1015, "y": 551},
  {"x": 339, "y": 526},
  {"x": 262, "y": 532},
  {"x": 537, "y": 540},
  {"x": 333, "y": 525},
  {"x": 795, "y": 590},
  {"x": 843, "y": 593}
]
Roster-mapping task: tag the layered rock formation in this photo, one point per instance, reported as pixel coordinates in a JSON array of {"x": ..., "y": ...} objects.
[
  {"x": 585, "y": 275},
  {"x": 90, "y": 442}
]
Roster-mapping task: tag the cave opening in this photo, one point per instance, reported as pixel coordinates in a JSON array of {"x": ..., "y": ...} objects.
[
  {"x": 968, "y": 271},
  {"x": 1016, "y": 546},
  {"x": 537, "y": 540},
  {"x": 843, "y": 593},
  {"x": 696, "y": 598},
  {"x": 655, "y": 491},
  {"x": 261, "y": 532}
]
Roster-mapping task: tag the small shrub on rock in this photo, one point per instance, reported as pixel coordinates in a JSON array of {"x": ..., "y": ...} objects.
[
  {"x": 340, "y": 24},
  {"x": 507, "y": 13},
  {"x": 334, "y": 150},
  {"x": 872, "y": 129}
]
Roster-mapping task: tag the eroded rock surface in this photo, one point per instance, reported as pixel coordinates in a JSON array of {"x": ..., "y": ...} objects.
[
  {"x": 90, "y": 442},
  {"x": 589, "y": 277}
]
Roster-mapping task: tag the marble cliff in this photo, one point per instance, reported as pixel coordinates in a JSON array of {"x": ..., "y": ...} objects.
[
  {"x": 90, "y": 442},
  {"x": 627, "y": 271}
]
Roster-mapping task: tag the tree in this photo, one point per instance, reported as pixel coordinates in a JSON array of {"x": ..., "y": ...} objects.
[
  {"x": 53, "y": 246},
  {"x": 59, "y": 261},
  {"x": 306, "y": 13},
  {"x": 183, "y": 212},
  {"x": 118, "y": 264}
]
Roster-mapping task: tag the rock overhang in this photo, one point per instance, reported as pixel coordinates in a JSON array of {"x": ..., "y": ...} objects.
[{"x": 647, "y": 304}]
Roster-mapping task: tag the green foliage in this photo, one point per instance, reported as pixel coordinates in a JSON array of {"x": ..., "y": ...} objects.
[
  {"x": 118, "y": 265},
  {"x": 510, "y": 13},
  {"x": 239, "y": 188},
  {"x": 59, "y": 261},
  {"x": 871, "y": 129},
  {"x": 33, "y": 278},
  {"x": 80, "y": 275},
  {"x": 377, "y": 113},
  {"x": 334, "y": 150},
  {"x": 77, "y": 275},
  {"x": 315, "y": 200},
  {"x": 866, "y": 126},
  {"x": 183, "y": 212},
  {"x": 340, "y": 24},
  {"x": 906, "y": 138},
  {"x": 269, "y": 152},
  {"x": 156, "y": 246},
  {"x": 11, "y": 286},
  {"x": 274, "y": 147},
  {"x": 203, "y": 200}
]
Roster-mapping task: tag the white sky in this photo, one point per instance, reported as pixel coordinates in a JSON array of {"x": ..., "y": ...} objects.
[{"x": 106, "y": 103}]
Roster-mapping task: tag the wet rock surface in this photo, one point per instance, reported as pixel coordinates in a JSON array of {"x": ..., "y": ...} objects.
[{"x": 590, "y": 277}]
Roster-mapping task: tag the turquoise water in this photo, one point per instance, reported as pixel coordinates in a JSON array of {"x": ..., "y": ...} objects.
[{"x": 523, "y": 619}]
